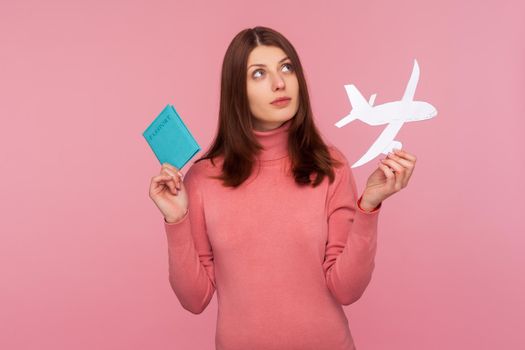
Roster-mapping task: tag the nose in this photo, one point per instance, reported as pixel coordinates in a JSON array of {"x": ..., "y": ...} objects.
[{"x": 278, "y": 82}]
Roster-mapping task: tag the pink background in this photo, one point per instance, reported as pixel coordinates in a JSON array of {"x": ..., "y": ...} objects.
[{"x": 83, "y": 255}]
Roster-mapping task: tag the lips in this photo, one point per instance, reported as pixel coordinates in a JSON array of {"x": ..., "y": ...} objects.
[{"x": 281, "y": 99}]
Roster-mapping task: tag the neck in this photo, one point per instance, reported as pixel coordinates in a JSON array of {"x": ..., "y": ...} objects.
[{"x": 275, "y": 142}]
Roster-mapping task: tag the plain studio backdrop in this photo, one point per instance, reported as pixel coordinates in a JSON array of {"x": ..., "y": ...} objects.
[{"x": 83, "y": 254}]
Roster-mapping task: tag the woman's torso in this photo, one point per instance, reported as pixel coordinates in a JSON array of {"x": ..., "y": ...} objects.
[{"x": 268, "y": 239}]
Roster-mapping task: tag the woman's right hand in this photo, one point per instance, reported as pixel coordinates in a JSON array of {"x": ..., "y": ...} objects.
[{"x": 168, "y": 193}]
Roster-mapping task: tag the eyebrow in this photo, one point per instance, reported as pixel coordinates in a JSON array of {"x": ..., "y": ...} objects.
[{"x": 263, "y": 65}]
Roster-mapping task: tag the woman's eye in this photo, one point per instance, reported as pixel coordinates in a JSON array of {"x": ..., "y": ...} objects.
[
  {"x": 289, "y": 65},
  {"x": 290, "y": 69},
  {"x": 254, "y": 73}
]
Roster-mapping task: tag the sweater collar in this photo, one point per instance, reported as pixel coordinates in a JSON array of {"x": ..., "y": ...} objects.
[{"x": 275, "y": 142}]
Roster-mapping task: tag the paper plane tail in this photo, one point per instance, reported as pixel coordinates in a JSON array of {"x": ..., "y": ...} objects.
[{"x": 356, "y": 98}]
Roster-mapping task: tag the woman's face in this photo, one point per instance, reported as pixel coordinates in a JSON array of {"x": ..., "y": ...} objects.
[{"x": 270, "y": 76}]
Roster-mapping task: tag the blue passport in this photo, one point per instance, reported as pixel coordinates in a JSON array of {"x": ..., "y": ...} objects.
[{"x": 170, "y": 139}]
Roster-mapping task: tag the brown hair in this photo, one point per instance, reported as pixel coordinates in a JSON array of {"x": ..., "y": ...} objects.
[{"x": 235, "y": 140}]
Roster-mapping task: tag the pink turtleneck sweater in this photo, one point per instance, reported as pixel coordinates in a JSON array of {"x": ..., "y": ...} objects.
[{"x": 282, "y": 258}]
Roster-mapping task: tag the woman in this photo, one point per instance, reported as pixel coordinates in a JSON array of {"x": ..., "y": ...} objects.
[{"x": 269, "y": 216}]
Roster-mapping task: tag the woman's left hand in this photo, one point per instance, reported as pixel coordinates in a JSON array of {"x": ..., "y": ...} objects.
[{"x": 391, "y": 176}]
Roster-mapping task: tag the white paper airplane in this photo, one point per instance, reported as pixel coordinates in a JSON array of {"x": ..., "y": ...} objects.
[{"x": 394, "y": 113}]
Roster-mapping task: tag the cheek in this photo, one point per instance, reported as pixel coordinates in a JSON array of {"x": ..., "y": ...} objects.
[
  {"x": 256, "y": 96},
  {"x": 296, "y": 106},
  {"x": 294, "y": 86},
  {"x": 295, "y": 89}
]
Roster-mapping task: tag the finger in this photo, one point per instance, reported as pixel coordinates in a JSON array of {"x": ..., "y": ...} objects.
[
  {"x": 407, "y": 165},
  {"x": 403, "y": 161},
  {"x": 159, "y": 181},
  {"x": 405, "y": 154},
  {"x": 396, "y": 167},
  {"x": 173, "y": 168},
  {"x": 170, "y": 172},
  {"x": 172, "y": 181},
  {"x": 169, "y": 182},
  {"x": 177, "y": 174},
  {"x": 412, "y": 164},
  {"x": 398, "y": 170},
  {"x": 390, "y": 177},
  {"x": 176, "y": 179}
]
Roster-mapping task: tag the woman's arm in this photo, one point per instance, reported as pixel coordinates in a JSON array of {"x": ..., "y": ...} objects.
[
  {"x": 352, "y": 239},
  {"x": 191, "y": 269}
]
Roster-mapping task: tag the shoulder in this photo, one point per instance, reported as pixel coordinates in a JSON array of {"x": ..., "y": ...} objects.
[
  {"x": 344, "y": 186},
  {"x": 338, "y": 155},
  {"x": 200, "y": 170},
  {"x": 343, "y": 173}
]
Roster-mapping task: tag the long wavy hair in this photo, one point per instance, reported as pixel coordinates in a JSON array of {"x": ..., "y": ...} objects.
[{"x": 235, "y": 141}]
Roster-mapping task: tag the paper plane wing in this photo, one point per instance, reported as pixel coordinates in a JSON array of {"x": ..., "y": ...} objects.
[
  {"x": 382, "y": 142},
  {"x": 410, "y": 90}
]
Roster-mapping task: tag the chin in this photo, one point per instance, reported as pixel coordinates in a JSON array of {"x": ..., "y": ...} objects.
[{"x": 286, "y": 115}]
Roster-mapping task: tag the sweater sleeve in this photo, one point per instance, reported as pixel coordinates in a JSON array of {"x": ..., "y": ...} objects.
[
  {"x": 352, "y": 239},
  {"x": 190, "y": 257}
]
